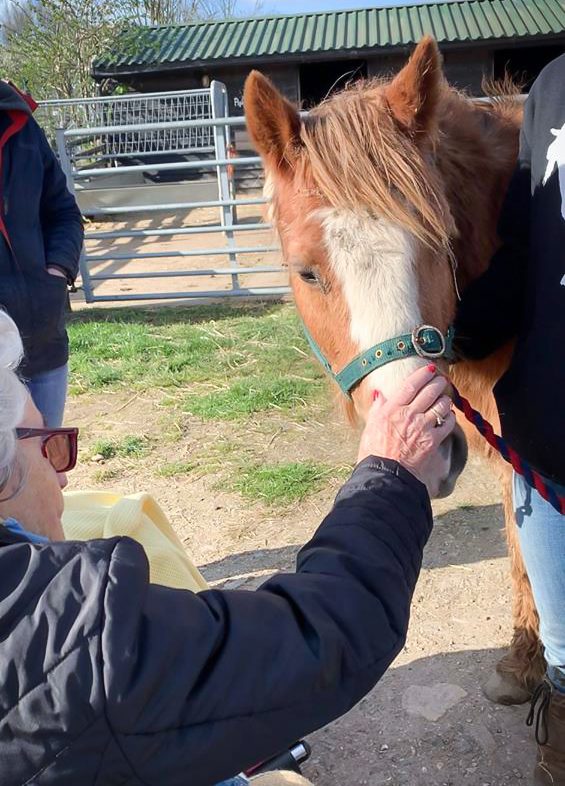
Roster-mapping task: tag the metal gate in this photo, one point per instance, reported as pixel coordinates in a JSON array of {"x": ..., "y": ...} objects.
[{"x": 111, "y": 139}]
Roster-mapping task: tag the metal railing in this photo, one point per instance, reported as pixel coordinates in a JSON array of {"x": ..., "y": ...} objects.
[
  {"x": 215, "y": 127},
  {"x": 133, "y": 113}
]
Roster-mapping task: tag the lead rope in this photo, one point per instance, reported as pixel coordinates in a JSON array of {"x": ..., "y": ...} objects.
[
  {"x": 542, "y": 696},
  {"x": 532, "y": 478}
]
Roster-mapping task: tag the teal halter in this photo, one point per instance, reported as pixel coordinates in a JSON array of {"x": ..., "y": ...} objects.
[{"x": 425, "y": 341}]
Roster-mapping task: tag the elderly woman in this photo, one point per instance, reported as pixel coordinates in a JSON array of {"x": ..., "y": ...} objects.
[{"x": 109, "y": 679}]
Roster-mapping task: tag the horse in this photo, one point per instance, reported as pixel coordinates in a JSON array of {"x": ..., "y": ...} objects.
[{"x": 385, "y": 200}]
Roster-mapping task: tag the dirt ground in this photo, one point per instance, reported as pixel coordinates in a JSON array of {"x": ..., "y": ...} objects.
[{"x": 427, "y": 722}]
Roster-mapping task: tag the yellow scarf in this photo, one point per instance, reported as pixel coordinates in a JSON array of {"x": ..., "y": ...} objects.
[{"x": 101, "y": 514}]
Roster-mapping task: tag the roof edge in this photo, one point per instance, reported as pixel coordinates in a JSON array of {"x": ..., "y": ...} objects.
[
  {"x": 267, "y": 17},
  {"x": 106, "y": 72}
]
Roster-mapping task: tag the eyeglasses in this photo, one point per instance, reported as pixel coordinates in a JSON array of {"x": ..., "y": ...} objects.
[{"x": 58, "y": 445}]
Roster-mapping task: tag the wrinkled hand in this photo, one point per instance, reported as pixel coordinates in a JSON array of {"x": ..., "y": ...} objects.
[{"x": 405, "y": 427}]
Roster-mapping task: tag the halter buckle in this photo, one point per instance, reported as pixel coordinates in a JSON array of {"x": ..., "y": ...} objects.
[{"x": 421, "y": 342}]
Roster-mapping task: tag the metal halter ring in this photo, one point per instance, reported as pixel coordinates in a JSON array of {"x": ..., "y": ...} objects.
[{"x": 418, "y": 342}]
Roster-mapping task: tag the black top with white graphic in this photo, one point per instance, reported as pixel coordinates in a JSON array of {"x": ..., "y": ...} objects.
[{"x": 522, "y": 295}]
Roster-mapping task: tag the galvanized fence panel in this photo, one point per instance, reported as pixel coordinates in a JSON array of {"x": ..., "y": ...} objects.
[
  {"x": 95, "y": 141},
  {"x": 132, "y": 110}
]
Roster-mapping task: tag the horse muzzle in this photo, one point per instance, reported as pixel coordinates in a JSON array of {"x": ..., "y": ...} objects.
[{"x": 454, "y": 450}]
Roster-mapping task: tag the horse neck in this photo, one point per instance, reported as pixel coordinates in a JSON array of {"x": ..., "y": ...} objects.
[
  {"x": 477, "y": 160},
  {"x": 476, "y": 157}
]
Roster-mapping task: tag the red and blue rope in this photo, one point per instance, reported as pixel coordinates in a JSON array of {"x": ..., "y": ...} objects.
[{"x": 532, "y": 478}]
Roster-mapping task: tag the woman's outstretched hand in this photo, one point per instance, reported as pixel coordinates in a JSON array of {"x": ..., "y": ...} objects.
[{"x": 410, "y": 426}]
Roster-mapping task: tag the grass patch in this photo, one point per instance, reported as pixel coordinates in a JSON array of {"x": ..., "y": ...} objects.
[
  {"x": 174, "y": 348},
  {"x": 249, "y": 396},
  {"x": 105, "y": 448},
  {"x": 128, "y": 447},
  {"x": 133, "y": 447},
  {"x": 278, "y": 484},
  {"x": 176, "y": 468},
  {"x": 106, "y": 474}
]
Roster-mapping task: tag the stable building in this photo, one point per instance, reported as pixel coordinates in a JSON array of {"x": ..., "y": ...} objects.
[{"x": 309, "y": 55}]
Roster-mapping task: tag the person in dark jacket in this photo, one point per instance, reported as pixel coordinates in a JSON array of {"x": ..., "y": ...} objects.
[
  {"x": 522, "y": 297},
  {"x": 41, "y": 236},
  {"x": 109, "y": 679}
]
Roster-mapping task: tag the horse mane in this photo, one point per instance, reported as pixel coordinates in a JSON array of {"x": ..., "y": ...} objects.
[
  {"x": 358, "y": 160},
  {"x": 504, "y": 93},
  {"x": 477, "y": 137}
]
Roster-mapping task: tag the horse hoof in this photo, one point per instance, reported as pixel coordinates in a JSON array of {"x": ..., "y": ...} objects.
[{"x": 506, "y": 689}]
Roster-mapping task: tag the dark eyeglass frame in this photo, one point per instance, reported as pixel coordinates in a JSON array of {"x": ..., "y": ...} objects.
[{"x": 48, "y": 433}]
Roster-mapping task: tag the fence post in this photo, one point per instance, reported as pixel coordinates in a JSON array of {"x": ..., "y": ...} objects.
[
  {"x": 67, "y": 167},
  {"x": 219, "y": 101}
]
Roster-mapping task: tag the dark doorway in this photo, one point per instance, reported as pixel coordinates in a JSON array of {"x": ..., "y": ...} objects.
[
  {"x": 524, "y": 64},
  {"x": 317, "y": 80}
]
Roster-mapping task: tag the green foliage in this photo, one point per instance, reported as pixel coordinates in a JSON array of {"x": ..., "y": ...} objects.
[
  {"x": 250, "y": 396},
  {"x": 105, "y": 448},
  {"x": 176, "y": 468},
  {"x": 281, "y": 483},
  {"x": 133, "y": 446},
  {"x": 130, "y": 446},
  {"x": 223, "y": 362},
  {"x": 48, "y": 46}
]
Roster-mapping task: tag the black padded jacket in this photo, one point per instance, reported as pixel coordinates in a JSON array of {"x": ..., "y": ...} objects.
[{"x": 108, "y": 680}]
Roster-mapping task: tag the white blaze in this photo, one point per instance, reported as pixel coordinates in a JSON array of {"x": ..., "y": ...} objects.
[{"x": 373, "y": 260}]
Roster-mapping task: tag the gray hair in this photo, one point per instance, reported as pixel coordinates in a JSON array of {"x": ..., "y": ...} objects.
[{"x": 13, "y": 394}]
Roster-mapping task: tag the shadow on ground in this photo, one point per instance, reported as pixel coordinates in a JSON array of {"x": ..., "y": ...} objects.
[
  {"x": 465, "y": 536},
  {"x": 387, "y": 738},
  {"x": 177, "y": 312},
  {"x": 461, "y": 537}
]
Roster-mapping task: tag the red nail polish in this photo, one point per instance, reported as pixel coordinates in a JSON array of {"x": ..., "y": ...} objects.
[
  {"x": 375, "y": 395},
  {"x": 432, "y": 368}
]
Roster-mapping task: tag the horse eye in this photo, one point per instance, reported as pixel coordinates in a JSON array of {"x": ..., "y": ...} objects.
[{"x": 309, "y": 276}]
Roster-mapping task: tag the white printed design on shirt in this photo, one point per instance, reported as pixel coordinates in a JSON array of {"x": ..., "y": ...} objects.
[{"x": 556, "y": 158}]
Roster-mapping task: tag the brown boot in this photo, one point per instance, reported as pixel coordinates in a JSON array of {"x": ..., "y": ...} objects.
[{"x": 547, "y": 714}]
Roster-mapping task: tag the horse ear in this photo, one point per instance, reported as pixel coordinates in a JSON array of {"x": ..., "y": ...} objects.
[
  {"x": 413, "y": 95},
  {"x": 272, "y": 121}
]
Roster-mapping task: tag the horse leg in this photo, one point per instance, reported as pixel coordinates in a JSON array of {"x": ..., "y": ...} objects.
[{"x": 523, "y": 666}]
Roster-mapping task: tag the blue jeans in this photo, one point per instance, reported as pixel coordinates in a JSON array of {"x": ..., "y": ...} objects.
[
  {"x": 49, "y": 393},
  {"x": 542, "y": 538}
]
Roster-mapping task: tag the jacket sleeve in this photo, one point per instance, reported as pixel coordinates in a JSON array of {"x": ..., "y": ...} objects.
[
  {"x": 492, "y": 307},
  {"x": 61, "y": 219},
  {"x": 210, "y": 684}
]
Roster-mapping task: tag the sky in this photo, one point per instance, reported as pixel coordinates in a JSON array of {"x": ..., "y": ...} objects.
[{"x": 301, "y": 6}]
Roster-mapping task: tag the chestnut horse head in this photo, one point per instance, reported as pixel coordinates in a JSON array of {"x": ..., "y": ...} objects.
[{"x": 362, "y": 209}]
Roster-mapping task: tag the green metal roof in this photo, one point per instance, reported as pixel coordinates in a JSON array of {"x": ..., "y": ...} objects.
[{"x": 277, "y": 37}]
